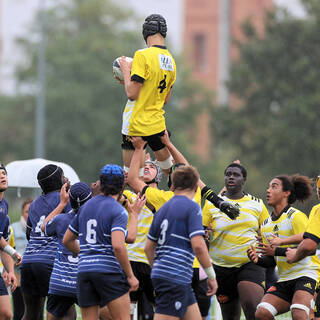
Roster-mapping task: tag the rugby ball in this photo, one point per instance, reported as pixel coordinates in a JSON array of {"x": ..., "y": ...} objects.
[{"x": 116, "y": 68}]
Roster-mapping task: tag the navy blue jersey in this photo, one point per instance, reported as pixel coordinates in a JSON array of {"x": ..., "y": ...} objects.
[
  {"x": 4, "y": 219},
  {"x": 94, "y": 223},
  {"x": 63, "y": 281},
  {"x": 41, "y": 248},
  {"x": 172, "y": 228}
]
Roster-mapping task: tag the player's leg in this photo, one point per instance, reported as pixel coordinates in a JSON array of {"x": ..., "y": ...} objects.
[
  {"x": 302, "y": 298},
  {"x": 104, "y": 313},
  {"x": 161, "y": 152},
  {"x": 158, "y": 316},
  {"x": 120, "y": 308},
  {"x": 33, "y": 306},
  {"x": 193, "y": 313},
  {"x": 5, "y": 306},
  {"x": 18, "y": 305},
  {"x": 90, "y": 313},
  {"x": 250, "y": 295},
  {"x": 61, "y": 307}
]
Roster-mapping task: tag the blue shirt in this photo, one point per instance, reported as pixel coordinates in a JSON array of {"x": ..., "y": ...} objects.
[
  {"x": 4, "y": 219},
  {"x": 172, "y": 228},
  {"x": 63, "y": 280},
  {"x": 41, "y": 248},
  {"x": 94, "y": 223}
]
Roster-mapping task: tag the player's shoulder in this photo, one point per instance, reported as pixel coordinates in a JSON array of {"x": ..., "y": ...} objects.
[
  {"x": 294, "y": 213},
  {"x": 250, "y": 197}
]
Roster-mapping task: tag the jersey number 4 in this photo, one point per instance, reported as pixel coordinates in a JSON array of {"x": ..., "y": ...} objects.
[{"x": 162, "y": 84}]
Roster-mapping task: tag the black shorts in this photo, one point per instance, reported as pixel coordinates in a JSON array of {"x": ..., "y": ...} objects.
[
  {"x": 99, "y": 288},
  {"x": 153, "y": 141},
  {"x": 286, "y": 289},
  {"x": 228, "y": 279},
  {"x": 200, "y": 289},
  {"x": 3, "y": 288},
  {"x": 317, "y": 306},
  {"x": 59, "y": 305},
  {"x": 173, "y": 299},
  {"x": 35, "y": 278},
  {"x": 142, "y": 272}
]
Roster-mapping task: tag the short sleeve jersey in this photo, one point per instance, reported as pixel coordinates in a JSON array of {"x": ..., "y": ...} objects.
[
  {"x": 313, "y": 229},
  {"x": 40, "y": 248},
  {"x": 156, "y": 69},
  {"x": 63, "y": 280},
  {"x": 157, "y": 198},
  {"x": 94, "y": 224},
  {"x": 145, "y": 217},
  {"x": 291, "y": 222},
  {"x": 4, "y": 219},
  {"x": 231, "y": 238},
  {"x": 172, "y": 228}
]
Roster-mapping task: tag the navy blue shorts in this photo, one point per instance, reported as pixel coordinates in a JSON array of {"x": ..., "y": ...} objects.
[
  {"x": 98, "y": 288},
  {"x": 3, "y": 288},
  {"x": 35, "y": 278},
  {"x": 59, "y": 305},
  {"x": 172, "y": 299}
]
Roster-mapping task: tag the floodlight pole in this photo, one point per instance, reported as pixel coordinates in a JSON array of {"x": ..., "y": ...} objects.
[
  {"x": 41, "y": 86},
  {"x": 224, "y": 51}
]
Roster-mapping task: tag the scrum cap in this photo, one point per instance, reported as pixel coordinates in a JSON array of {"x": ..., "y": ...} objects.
[
  {"x": 112, "y": 175},
  {"x": 159, "y": 174},
  {"x": 50, "y": 178},
  {"x": 155, "y": 23},
  {"x": 80, "y": 192}
]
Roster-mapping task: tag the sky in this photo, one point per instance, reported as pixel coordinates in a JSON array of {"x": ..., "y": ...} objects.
[{"x": 16, "y": 15}]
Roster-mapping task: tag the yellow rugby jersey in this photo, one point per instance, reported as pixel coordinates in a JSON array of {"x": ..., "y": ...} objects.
[
  {"x": 292, "y": 221},
  {"x": 145, "y": 217},
  {"x": 157, "y": 68},
  {"x": 157, "y": 198},
  {"x": 231, "y": 239},
  {"x": 313, "y": 228},
  {"x": 11, "y": 242}
]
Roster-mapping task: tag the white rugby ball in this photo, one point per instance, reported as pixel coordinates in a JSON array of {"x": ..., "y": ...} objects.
[{"x": 116, "y": 67}]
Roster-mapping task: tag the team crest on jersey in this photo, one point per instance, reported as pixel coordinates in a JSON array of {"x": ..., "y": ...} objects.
[
  {"x": 177, "y": 305},
  {"x": 166, "y": 62}
]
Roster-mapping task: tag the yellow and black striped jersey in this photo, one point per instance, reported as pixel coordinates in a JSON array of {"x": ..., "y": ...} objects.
[
  {"x": 313, "y": 228},
  {"x": 231, "y": 239},
  {"x": 145, "y": 217},
  {"x": 291, "y": 222},
  {"x": 156, "y": 69}
]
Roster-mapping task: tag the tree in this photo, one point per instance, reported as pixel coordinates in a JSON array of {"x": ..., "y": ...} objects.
[{"x": 277, "y": 79}]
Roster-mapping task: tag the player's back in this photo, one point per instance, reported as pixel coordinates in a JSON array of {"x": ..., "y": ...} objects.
[
  {"x": 97, "y": 219},
  {"x": 41, "y": 248},
  {"x": 173, "y": 227}
]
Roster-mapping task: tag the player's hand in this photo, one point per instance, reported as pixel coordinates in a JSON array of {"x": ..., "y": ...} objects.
[
  {"x": 229, "y": 209},
  {"x": 266, "y": 249},
  {"x": 125, "y": 65},
  {"x": 138, "y": 204},
  {"x": 64, "y": 193},
  {"x": 275, "y": 241},
  {"x": 138, "y": 142},
  {"x": 212, "y": 287},
  {"x": 290, "y": 255},
  {"x": 12, "y": 281},
  {"x": 17, "y": 258},
  {"x": 133, "y": 283},
  {"x": 165, "y": 138},
  {"x": 252, "y": 254},
  {"x": 95, "y": 188}
]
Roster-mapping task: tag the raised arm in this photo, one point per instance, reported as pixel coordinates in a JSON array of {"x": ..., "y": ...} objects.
[
  {"x": 64, "y": 199},
  {"x": 133, "y": 176}
]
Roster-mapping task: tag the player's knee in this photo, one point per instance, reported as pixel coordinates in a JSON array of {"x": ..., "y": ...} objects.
[
  {"x": 265, "y": 311},
  {"x": 299, "y": 311}
]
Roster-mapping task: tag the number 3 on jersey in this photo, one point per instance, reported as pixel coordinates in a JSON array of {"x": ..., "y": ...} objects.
[
  {"x": 164, "y": 228},
  {"x": 91, "y": 236}
]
